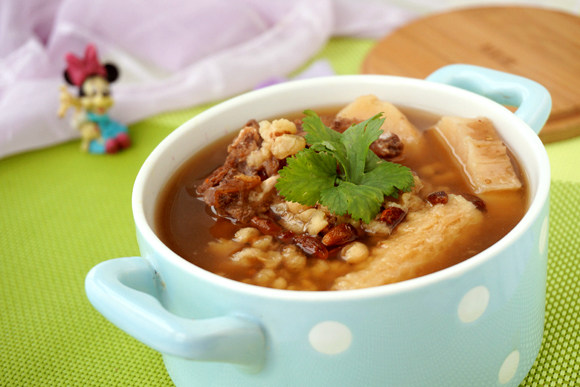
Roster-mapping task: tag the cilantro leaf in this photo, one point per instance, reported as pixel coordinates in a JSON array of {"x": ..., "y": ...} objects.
[
  {"x": 323, "y": 139},
  {"x": 316, "y": 131},
  {"x": 360, "y": 201},
  {"x": 372, "y": 161},
  {"x": 357, "y": 139},
  {"x": 305, "y": 175},
  {"x": 339, "y": 170},
  {"x": 349, "y": 148},
  {"x": 389, "y": 178}
]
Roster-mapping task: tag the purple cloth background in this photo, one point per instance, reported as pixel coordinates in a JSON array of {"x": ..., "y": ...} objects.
[{"x": 172, "y": 54}]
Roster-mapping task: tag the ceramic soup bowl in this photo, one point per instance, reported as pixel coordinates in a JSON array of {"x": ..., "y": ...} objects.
[{"x": 477, "y": 323}]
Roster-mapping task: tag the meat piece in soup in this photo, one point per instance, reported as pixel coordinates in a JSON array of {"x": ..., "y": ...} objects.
[{"x": 225, "y": 212}]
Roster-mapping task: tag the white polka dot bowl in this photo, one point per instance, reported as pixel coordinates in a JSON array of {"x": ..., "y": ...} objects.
[{"x": 478, "y": 323}]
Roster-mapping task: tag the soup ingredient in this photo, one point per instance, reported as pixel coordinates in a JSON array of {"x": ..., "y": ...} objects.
[
  {"x": 340, "y": 234},
  {"x": 369, "y": 105},
  {"x": 227, "y": 189},
  {"x": 354, "y": 252},
  {"x": 393, "y": 215},
  {"x": 388, "y": 146},
  {"x": 339, "y": 170},
  {"x": 311, "y": 246},
  {"x": 425, "y": 234},
  {"x": 244, "y": 185},
  {"x": 477, "y": 201},
  {"x": 477, "y": 147},
  {"x": 439, "y": 197}
]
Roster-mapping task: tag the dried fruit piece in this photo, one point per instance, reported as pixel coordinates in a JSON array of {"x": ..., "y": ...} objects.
[
  {"x": 387, "y": 146},
  {"x": 392, "y": 215},
  {"x": 339, "y": 235},
  {"x": 476, "y": 200},
  {"x": 439, "y": 197},
  {"x": 311, "y": 246},
  {"x": 285, "y": 236},
  {"x": 266, "y": 225}
]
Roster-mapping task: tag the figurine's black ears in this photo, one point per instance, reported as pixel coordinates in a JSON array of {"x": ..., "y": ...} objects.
[
  {"x": 67, "y": 78},
  {"x": 111, "y": 69},
  {"x": 112, "y": 72}
]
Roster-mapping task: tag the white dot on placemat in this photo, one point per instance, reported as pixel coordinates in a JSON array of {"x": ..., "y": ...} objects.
[
  {"x": 330, "y": 337},
  {"x": 544, "y": 236},
  {"x": 473, "y": 304},
  {"x": 509, "y": 367}
]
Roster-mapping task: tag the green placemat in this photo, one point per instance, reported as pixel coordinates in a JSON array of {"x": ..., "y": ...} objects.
[
  {"x": 63, "y": 211},
  {"x": 565, "y": 159},
  {"x": 558, "y": 363}
]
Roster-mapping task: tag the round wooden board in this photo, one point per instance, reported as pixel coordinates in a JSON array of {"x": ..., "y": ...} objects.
[{"x": 537, "y": 43}]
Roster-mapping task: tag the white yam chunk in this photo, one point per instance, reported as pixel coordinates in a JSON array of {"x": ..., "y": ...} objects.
[
  {"x": 476, "y": 145},
  {"x": 420, "y": 239},
  {"x": 396, "y": 122}
]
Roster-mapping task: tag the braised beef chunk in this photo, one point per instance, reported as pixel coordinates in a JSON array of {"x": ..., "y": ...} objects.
[
  {"x": 227, "y": 189},
  {"x": 247, "y": 141},
  {"x": 229, "y": 198},
  {"x": 213, "y": 179},
  {"x": 388, "y": 146},
  {"x": 270, "y": 167},
  {"x": 253, "y": 123}
]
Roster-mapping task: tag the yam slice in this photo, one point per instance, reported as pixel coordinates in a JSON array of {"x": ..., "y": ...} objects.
[
  {"x": 396, "y": 122},
  {"x": 415, "y": 244},
  {"x": 480, "y": 151}
]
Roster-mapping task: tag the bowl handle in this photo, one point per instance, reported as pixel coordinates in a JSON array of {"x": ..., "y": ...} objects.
[
  {"x": 532, "y": 99},
  {"x": 123, "y": 290}
]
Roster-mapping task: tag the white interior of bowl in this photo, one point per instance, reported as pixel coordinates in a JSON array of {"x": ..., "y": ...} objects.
[{"x": 296, "y": 96}]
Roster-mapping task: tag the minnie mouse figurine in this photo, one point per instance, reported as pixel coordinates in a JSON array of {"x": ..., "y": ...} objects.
[{"x": 99, "y": 133}]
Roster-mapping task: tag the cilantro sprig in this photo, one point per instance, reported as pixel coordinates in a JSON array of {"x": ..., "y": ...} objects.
[{"x": 339, "y": 171}]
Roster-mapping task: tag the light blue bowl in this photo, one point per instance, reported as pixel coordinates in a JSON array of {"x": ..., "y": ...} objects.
[{"x": 478, "y": 323}]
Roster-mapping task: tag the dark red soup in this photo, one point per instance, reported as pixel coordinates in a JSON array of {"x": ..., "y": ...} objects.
[{"x": 223, "y": 211}]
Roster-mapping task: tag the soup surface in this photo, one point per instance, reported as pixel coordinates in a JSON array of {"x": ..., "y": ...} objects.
[{"x": 444, "y": 219}]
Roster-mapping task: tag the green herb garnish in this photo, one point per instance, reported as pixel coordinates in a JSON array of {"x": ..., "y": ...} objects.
[{"x": 340, "y": 172}]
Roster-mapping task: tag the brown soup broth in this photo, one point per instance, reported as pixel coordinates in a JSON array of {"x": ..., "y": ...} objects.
[{"x": 186, "y": 225}]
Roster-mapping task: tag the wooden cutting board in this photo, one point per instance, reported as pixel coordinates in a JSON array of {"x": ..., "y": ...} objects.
[{"x": 537, "y": 43}]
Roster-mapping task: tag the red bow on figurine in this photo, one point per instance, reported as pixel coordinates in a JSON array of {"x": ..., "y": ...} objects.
[{"x": 80, "y": 68}]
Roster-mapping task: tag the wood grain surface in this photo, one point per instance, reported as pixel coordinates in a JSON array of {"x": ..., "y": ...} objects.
[{"x": 537, "y": 43}]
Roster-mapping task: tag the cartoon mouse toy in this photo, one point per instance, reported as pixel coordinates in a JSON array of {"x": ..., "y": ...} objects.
[{"x": 99, "y": 133}]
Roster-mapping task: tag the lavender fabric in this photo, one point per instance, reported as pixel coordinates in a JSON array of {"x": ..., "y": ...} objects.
[{"x": 172, "y": 54}]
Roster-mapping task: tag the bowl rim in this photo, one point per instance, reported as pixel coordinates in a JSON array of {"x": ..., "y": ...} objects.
[{"x": 537, "y": 199}]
